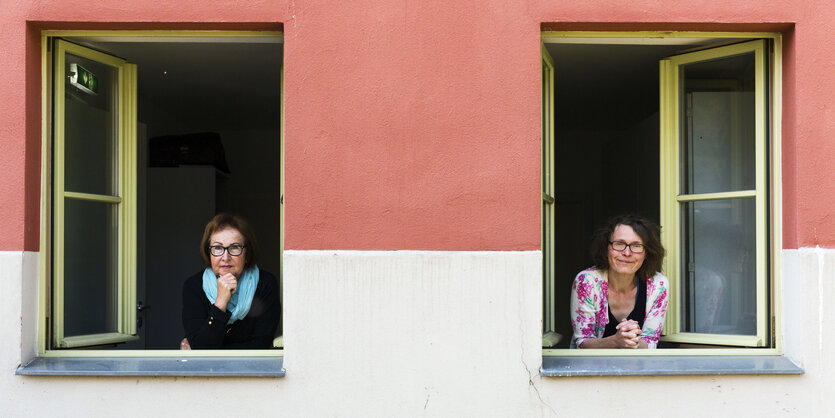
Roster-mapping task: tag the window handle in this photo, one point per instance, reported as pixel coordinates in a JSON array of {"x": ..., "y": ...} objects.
[{"x": 141, "y": 306}]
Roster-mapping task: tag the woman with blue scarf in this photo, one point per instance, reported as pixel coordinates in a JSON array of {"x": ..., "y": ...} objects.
[{"x": 230, "y": 304}]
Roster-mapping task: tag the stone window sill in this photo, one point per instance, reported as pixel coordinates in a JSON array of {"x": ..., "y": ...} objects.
[
  {"x": 666, "y": 365},
  {"x": 154, "y": 366}
]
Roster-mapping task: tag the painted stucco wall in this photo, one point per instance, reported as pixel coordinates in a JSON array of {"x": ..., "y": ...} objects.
[{"x": 415, "y": 126}]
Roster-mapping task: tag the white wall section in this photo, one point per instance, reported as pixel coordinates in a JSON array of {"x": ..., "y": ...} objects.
[
  {"x": 413, "y": 333},
  {"x": 408, "y": 330}
]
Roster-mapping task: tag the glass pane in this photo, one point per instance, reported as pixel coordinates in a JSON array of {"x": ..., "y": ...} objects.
[
  {"x": 90, "y": 126},
  {"x": 719, "y": 270},
  {"x": 89, "y": 267},
  {"x": 717, "y": 102}
]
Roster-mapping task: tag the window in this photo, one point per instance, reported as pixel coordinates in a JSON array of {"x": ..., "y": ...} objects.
[
  {"x": 94, "y": 201},
  {"x": 549, "y": 311},
  {"x": 121, "y": 227},
  {"x": 714, "y": 205},
  {"x": 701, "y": 161}
]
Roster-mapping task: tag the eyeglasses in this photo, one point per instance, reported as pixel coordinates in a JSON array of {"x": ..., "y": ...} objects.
[
  {"x": 234, "y": 250},
  {"x": 621, "y": 246}
]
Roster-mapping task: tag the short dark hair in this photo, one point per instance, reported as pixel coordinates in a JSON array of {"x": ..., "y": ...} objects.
[
  {"x": 222, "y": 221},
  {"x": 650, "y": 234}
]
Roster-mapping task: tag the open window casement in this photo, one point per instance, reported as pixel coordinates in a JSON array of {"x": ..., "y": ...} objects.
[
  {"x": 714, "y": 194},
  {"x": 94, "y": 192},
  {"x": 549, "y": 309}
]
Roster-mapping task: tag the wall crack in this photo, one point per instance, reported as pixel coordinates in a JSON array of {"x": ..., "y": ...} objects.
[{"x": 531, "y": 383}]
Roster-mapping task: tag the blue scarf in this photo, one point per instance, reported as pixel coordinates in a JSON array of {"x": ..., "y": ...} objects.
[{"x": 241, "y": 300}]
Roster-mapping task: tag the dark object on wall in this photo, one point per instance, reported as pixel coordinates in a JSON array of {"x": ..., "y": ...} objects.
[{"x": 204, "y": 148}]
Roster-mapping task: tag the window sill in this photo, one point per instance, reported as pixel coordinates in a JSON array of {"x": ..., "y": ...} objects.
[
  {"x": 553, "y": 366},
  {"x": 154, "y": 366}
]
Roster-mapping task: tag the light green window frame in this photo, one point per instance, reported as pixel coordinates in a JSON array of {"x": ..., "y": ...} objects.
[
  {"x": 771, "y": 196},
  {"x": 126, "y": 231},
  {"x": 548, "y": 200},
  {"x": 124, "y": 200},
  {"x": 674, "y": 197}
]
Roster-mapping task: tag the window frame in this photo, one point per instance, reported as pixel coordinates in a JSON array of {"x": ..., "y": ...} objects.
[
  {"x": 672, "y": 197},
  {"x": 772, "y": 171},
  {"x": 124, "y": 197},
  {"x": 156, "y": 358},
  {"x": 548, "y": 201}
]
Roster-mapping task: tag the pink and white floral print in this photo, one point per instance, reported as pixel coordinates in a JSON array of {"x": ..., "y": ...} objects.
[{"x": 590, "y": 307}]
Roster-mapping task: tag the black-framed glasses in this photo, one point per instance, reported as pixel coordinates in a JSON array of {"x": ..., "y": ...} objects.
[
  {"x": 234, "y": 250},
  {"x": 621, "y": 246}
]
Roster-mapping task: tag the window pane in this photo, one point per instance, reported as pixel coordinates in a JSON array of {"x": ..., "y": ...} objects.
[
  {"x": 719, "y": 269},
  {"x": 719, "y": 125},
  {"x": 90, "y": 129},
  {"x": 89, "y": 267}
]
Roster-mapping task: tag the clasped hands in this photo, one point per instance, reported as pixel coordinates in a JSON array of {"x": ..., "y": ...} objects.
[{"x": 628, "y": 334}]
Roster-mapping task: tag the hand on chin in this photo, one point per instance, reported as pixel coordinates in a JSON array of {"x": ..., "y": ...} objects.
[{"x": 222, "y": 271}]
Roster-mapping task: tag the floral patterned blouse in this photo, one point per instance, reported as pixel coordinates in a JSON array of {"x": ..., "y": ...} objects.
[{"x": 590, "y": 307}]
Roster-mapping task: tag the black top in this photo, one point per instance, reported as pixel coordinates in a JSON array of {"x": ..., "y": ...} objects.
[
  {"x": 205, "y": 324},
  {"x": 639, "y": 312}
]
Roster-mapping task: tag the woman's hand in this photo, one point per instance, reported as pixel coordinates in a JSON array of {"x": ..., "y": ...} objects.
[
  {"x": 184, "y": 345},
  {"x": 628, "y": 335},
  {"x": 226, "y": 286}
]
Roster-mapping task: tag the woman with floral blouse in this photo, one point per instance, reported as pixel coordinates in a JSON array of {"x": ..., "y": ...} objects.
[{"x": 622, "y": 300}]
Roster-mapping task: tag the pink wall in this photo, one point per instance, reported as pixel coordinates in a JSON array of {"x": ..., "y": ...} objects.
[{"x": 415, "y": 125}]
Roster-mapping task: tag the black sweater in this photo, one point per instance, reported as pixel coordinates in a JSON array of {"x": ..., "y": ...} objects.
[{"x": 205, "y": 324}]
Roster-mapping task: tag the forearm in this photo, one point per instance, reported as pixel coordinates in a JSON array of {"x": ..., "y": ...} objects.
[
  {"x": 204, "y": 325},
  {"x": 206, "y": 331},
  {"x": 255, "y": 342},
  {"x": 263, "y": 332},
  {"x": 609, "y": 342},
  {"x": 657, "y": 301},
  {"x": 628, "y": 335},
  {"x": 266, "y": 312},
  {"x": 598, "y": 343}
]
